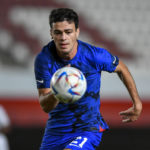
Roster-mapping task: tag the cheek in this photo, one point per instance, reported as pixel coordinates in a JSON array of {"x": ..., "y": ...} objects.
[
  {"x": 56, "y": 39},
  {"x": 74, "y": 38}
]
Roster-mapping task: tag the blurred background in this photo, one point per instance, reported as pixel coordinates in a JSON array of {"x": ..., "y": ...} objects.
[{"x": 122, "y": 27}]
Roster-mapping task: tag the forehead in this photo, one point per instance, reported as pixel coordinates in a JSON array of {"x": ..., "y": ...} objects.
[{"x": 63, "y": 25}]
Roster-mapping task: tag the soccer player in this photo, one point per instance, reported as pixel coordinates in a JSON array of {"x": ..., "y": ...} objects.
[{"x": 79, "y": 125}]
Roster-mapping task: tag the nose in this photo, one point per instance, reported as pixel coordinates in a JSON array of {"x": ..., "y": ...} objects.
[{"x": 63, "y": 36}]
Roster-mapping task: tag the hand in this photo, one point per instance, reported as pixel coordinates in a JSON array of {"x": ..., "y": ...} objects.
[{"x": 131, "y": 114}]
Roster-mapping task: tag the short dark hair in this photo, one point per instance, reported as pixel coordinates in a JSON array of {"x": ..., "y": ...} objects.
[{"x": 63, "y": 14}]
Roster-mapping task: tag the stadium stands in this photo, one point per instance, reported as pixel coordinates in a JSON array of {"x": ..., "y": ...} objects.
[{"x": 120, "y": 26}]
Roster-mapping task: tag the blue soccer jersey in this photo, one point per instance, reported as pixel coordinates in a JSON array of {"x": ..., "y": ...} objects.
[{"x": 83, "y": 115}]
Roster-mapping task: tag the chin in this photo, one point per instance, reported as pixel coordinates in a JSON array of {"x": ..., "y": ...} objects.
[{"x": 65, "y": 50}]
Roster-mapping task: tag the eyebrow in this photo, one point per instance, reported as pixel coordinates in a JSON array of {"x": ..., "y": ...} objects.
[{"x": 64, "y": 30}]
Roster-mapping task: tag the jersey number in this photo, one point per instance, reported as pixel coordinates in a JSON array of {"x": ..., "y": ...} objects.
[{"x": 79, "y": 142}]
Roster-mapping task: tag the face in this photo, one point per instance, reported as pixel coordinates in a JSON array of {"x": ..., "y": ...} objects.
[{"x": 65, "y": 37}]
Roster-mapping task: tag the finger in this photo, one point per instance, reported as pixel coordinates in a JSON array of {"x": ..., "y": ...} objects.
[
  {"x": 69, "y": 65},
  {"x": 126, "y": 120},
  {"x": 124, "y": 117},
  {"x": 123, "y": 112},
  {"x": 126, "y": 113},
  {"x": 129, "y": 119}
]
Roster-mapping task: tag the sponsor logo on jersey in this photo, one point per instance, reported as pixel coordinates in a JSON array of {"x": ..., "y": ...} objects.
[
  {"x": 40, "y": 81},
  {"x": 114, "y": 60}
]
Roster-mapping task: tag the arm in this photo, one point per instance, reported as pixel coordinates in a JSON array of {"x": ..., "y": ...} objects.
[
  {"x": 47, "y": 100},
  {"x": 134, "y": 112}
]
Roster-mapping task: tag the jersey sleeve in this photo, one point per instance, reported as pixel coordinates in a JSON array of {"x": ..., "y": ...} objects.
[
  {"x": 42, "y": 73},
  {"x": 105, "y": 61}
]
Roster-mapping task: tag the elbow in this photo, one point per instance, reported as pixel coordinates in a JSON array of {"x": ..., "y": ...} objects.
[
  {"x": 48, "y": 103},
  {"x": 45, "y": 108}
]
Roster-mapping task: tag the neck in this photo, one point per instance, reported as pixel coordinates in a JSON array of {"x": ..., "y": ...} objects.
[{"x": 71, "y": 54}]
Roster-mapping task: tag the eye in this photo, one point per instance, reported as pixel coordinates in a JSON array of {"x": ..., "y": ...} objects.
[
  {"x": 57, "y": 32},
  {"x": 68, "y": 31}
]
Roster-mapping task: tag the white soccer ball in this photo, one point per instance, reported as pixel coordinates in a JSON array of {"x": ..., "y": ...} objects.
[{"x": 68, "y": 84}]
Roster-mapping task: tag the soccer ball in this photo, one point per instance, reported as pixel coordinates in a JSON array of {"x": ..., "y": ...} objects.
[{"x": 68, "y": 84}]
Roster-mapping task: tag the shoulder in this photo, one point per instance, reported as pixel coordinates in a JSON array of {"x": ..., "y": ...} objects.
[
  {"x": 45, "y": 53},
  {"x": 86, "y": 45},
  {"x": 91, "y": 48},
  {"x": 92, "y": 51}
]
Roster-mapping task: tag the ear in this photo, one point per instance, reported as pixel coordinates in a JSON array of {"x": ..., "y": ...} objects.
[
  {"x": 78, "y": 32},
  {"x": 51, "y": 34}
]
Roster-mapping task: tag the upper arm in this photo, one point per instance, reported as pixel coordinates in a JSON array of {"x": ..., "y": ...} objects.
[
  {"x": 104, "y": 60},
  {"x": 43, "y": 76},
  {"x": 44, "y": 91},
  {"x": 121, "y": 67},
  {"x": 123, "y": 72},
  {"x": 42, "y": 72}
]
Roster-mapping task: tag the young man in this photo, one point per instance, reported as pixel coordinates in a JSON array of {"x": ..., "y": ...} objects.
[{"x": 79, "y": 125}]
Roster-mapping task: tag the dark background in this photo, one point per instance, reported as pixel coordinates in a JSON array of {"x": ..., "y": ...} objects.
[{"x": 117, "y": 139}]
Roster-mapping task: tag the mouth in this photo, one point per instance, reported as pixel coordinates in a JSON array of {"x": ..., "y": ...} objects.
[{"x": 63, "y": 45}]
